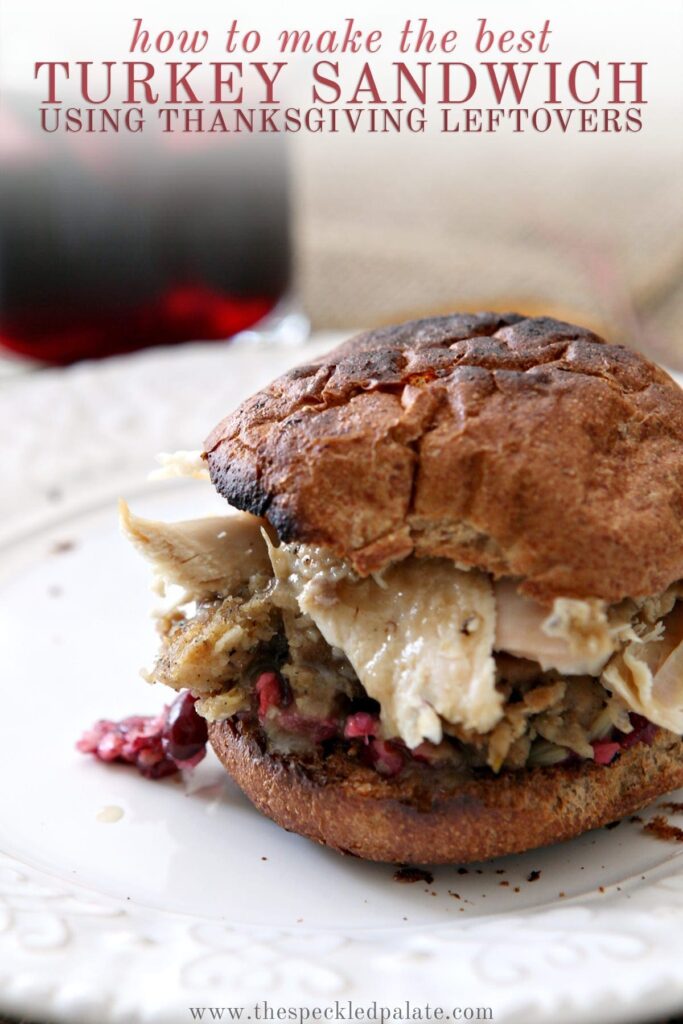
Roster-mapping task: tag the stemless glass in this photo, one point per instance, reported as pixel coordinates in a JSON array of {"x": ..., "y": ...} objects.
[{"x": 112, "y": 242}]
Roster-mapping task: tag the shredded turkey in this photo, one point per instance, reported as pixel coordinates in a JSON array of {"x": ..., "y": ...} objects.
[
  {"x": 420, "y": 639},
  {"x": 206, "y": 557},
  {"x": 648, "y": 674},
  {"x": 576, "y": 638},
  {"x": 442, "y": 650}
]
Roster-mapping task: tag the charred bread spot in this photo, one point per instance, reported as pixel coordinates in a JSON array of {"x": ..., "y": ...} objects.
[
  {"x": 238, "y": 484},
  {"x": 365, "y": 370},
  {"x": 525, "y": 446},
  {"x": 543, "y": 331},
  {"x": 305, "y": 371},
  {"x": 448, "y": 329},
  {"x": 284, "y": 522}
]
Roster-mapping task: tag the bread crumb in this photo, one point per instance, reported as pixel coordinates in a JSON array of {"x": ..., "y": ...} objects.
[
  {"x": 60, "y": 547},
  {"x": 533, "y": 876},
  {"x": 660, "y": 828},
  {"x": 408, "y": 874}
]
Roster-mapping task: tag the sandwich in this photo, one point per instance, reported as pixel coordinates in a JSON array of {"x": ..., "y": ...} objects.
[{"x": 443, "y": 621}]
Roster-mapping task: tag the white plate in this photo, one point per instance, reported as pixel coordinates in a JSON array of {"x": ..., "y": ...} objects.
[{"x": 191, "y": 898}]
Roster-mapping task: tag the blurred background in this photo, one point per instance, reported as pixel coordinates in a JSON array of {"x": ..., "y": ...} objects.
[
  {"x": 96, "y": 260},
  {"x": 111, "y": 242},
  {"x": 595, "y": 238}
]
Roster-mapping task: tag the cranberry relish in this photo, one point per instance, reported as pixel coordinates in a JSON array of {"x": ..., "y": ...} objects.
[
  {"x": 158, "y": 745},
  {"x": 176, "y": 738},
  {"x": 276, "y": 707}
]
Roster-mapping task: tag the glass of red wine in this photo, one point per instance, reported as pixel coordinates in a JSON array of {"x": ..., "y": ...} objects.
[{"x": 111, "y": 243}]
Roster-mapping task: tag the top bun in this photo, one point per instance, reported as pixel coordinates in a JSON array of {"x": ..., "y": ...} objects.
[{"x": 525, "y": 447}]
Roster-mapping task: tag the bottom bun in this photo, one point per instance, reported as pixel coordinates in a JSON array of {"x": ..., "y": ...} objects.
[{"x": 430, "y": 815}]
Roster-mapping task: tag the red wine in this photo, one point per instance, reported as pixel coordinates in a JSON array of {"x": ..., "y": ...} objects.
[{"x": 112, "y": 245}]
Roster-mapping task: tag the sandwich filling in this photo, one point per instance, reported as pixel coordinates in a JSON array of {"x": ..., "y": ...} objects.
[{"x": 425, "y": 661}]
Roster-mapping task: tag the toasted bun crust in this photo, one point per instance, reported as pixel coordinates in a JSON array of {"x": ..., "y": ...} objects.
[
  {"x": 524, "y": 447},
  {"x": 433, "y": 816}
]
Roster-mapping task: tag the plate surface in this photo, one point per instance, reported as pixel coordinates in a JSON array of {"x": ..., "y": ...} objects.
[{"x": 191, "y": 898}]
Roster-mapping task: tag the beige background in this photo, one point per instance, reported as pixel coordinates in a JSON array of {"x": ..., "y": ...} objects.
[{"x": 594, "y": 239}]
